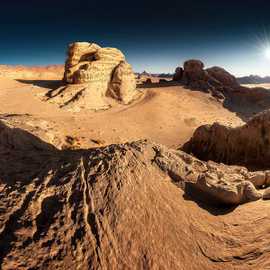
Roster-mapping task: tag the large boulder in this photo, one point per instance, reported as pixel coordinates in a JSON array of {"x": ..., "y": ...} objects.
[
  {"x": 223, "y": 76},
  {"x": 178, "y": 74},
  {"x": 123, "y": 83},
  {"x": 193, "y": 69},
  {"x": 245, "y": 145},
  {"x": 93, "y": 74}
]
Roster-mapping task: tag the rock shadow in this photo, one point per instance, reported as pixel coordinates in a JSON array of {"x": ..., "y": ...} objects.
[
  {"x": 206, "y": 201},
  {"x": 49, "y": 84},
  {"x": 158, "y": 84}
]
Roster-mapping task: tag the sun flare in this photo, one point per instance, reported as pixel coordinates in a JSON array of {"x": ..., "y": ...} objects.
[{"x": 267, "y": 53}]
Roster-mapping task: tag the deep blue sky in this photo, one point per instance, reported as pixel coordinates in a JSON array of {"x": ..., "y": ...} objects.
[{"x": 155, "y": 35}]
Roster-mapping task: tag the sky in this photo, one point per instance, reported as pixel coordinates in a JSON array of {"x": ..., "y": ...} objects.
[{"x": 156, "y": 36}]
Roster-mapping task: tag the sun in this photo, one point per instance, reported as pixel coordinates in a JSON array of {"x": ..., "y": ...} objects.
[{"x": 267, "y": 53}]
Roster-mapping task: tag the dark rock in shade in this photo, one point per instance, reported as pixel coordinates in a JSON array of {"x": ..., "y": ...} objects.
[
  {"x": 222, "y": 76},
  {"x": 266, "y": 194},
  {"x": 178, "y": 75}
]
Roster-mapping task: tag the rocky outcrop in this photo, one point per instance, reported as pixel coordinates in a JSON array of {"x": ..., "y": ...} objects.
[
  {"x": 214, "y": 80},
  {"x": 178, "y": 74},
  {"x": 224, "y": 87},
  {"x": 93, "y": 76},
  {"x": 223, "y": 77},
  {"x": 245, "y": 145},
  {"x": 114, "y": 207},
  {"x": 266, "y": 194}
]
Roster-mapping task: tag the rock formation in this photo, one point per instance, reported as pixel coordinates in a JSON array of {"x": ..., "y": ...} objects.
[
  {"x": 117, "y": 207},
  {"x": 123, "y": 83},
  {"x": 245, "y": 145},
  {"x": 223, "y": 86},
  {"x": 178, "y": 74},
  {"x": 213, "y": 80},
  {"x": 93, "y": 75},
  {"x": 223, "y": 77}
]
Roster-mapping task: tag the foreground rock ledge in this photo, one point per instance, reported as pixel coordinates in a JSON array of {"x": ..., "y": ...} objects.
[
  {"x": 247, "y": 145},
  {"x": 118, "y": 207},
  {"x": 93, "y": 77}
]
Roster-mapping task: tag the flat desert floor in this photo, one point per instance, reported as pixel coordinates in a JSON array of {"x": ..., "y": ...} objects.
[{"x": 167, "y": 114}]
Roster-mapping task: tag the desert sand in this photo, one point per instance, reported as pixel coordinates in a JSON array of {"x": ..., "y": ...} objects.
[
  {"x": 167, "y": 114},
  {"x": 111, "y": 189}
]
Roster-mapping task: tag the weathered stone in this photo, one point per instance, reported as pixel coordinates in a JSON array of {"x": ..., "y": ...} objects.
[
  {"x": 258, "y": 179},
  {"x": 224, "y": 184},
  {"x": 246, "y": 145},
  {"x": 123, "y": 83},
  {"x": 213, "y": 80},
  {"x": 92, "y": 75},
  {"x": 128, "y": 197},
  {"x": 222, "y": 76},
  {"x": 266, "y": 194}
]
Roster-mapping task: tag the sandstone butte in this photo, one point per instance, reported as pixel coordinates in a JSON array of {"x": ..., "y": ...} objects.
[{"x": 94, "y": 77}]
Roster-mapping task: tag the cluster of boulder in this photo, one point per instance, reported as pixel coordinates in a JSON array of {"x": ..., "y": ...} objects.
[
  {"x": 223, "y": 86},
  {"x": 215, "y": 80},
  {"x": 92, "y": 75}
]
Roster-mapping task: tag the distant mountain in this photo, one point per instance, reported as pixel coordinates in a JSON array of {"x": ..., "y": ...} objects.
[
  {"x": 159, "y": 75},
  {"x": 253, "y": 79}
]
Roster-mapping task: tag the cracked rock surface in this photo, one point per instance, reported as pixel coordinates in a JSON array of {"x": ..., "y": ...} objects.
[{"x": 137, "y": 205}]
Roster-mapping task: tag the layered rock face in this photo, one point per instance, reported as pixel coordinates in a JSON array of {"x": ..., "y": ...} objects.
[
  {"x": 117, "y": 207},
  {"x": 92, "y": 75},
  {"x": 245, "y": 145}
]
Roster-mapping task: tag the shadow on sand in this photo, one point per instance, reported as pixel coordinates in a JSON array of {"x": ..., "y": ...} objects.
[
  {"x": 49, "y": 84},
  {"x": 158, "y": 84},
  {"x": 205, "y": 201},
  {"x": 247, "y": 107}
]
